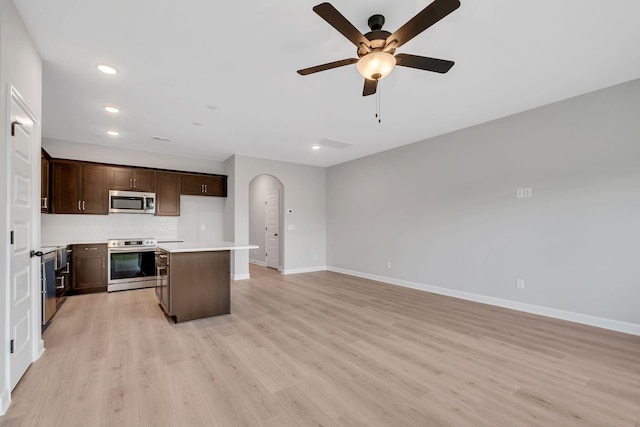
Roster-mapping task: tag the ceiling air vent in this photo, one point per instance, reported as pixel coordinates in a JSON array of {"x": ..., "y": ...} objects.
[
  {"x": 333, "y": 143},
  {"x": 161, "y": 138}
]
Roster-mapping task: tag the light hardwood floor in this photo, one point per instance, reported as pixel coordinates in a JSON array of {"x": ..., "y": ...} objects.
[{"x": 325, "y": 349}]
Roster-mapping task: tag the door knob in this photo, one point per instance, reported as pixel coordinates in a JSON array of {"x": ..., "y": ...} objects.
[{"x": 34, "y": 253}]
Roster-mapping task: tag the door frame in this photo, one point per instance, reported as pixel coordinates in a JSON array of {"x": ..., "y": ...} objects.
[
  {"x": 255, "y": 201},
  {"x": 37, "y": 344}
]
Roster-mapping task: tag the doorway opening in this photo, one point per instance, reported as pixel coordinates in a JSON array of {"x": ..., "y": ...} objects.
[{"x": 266, "y": 207}]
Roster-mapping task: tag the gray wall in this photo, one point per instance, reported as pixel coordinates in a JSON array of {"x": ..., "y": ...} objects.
[
  {"x": 304, "y": 193},
  {"x": 259, "y": 187},
  {"x": 444, "y": 211},
  {"x": 124, "y": 156},
  {"x": 21, "y": 66}
]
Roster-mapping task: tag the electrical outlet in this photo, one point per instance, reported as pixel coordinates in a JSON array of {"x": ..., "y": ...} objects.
[
  {"x": 520, "y": 193},
  {"x": 520, "y": 283},
  {"x": 527, "y": 192},
  {"x": 389, "y": 265}
]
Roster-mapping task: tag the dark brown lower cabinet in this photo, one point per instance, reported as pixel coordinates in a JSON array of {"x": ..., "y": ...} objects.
[
  {"x": 89, "y": 268},
  {"x": 199, "y": 284}
]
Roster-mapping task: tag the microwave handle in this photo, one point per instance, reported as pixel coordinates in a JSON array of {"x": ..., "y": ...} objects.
[{"x": 146, "y": 204}]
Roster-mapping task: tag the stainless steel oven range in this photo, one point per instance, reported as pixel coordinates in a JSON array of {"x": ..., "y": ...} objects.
[{"x": 131, "y": 264}]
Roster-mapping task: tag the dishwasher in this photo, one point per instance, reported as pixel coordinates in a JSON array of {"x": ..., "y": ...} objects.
[
  {"x": 162, "y": 280},
  {"x": 48, "y": 281}
]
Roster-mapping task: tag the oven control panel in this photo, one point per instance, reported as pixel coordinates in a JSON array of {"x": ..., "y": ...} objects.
[{"x": 132, "y": 243}]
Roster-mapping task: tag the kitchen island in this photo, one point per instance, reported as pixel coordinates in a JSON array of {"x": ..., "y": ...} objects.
[{"x": 193, "y": 278}]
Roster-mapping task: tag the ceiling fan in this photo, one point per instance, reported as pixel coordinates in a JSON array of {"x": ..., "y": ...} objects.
[{"x": 376, "y": 48}]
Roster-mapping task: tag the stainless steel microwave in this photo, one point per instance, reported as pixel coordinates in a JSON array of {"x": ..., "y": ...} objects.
[{"x": 132, "y": 202}]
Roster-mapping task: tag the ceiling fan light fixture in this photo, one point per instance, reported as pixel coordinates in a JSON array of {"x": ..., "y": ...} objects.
[{"x": 376, "y": 65}]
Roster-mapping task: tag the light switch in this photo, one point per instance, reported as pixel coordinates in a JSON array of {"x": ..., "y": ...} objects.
[{"x": 520, "y": 193}]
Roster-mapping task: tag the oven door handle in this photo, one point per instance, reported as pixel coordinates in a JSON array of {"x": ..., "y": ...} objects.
[{"x": 132, "y": 249}]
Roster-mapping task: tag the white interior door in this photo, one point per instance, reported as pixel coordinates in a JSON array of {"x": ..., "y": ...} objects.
[
  {"x": 23, "y": 270},
  {"x": 272, "y": 229}
]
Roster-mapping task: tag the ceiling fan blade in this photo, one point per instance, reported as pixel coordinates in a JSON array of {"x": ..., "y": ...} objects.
[
  {"x": 423, "y": 63},
  {"x": 370, "y": 87},
  {"x": 340, "y": 23},
  {"x": 327, "y": 66},
  {"x": 423, "y": 20}
]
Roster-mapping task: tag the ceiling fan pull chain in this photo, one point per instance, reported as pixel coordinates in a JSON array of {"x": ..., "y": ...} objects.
[{"x": 378, "y": 105}]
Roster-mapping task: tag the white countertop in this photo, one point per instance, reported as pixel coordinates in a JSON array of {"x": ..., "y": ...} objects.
[
  {"x": 204, "y": 246},
  {"x": 75, "y": 242}
]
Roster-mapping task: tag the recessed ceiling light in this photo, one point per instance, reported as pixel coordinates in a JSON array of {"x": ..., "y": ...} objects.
[
  {"x": 111, "y": 109},
  {"x": 316, "y": 146},
  {"x": 113, "y": 133},
  {"x": 107, "y": 69}
]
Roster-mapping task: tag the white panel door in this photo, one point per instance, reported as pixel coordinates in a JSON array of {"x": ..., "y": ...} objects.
[
  {"x": 23, "y": 270},
  {"x": 272, "y": 232}
]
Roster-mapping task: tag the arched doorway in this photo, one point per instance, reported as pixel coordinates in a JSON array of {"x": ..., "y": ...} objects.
[{"x": 266, "y": 223}]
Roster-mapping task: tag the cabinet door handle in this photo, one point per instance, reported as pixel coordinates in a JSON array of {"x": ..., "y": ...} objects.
[
  {"x": 205, "y": 188},
  {"x": 134, "y": 183},
  {"x": 83, "y": 205},
  {"x": 45, "y": 203},
  {"x": 90, "y": 249},
  {"x": 79, "y": 208}
]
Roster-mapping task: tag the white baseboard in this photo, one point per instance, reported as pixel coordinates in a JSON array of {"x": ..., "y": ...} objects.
[
  {"x": 600, "y": 322},
  {"x": 304, "y": 270},
  {"x": 240, "y": 276},
  {"x": 5, "y": 401},
  {"x": 256, "y": 262}
]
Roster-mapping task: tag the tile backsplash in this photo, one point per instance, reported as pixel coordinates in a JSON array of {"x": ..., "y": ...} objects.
[
  {"x": 90, "y": 228},
  {"x": 201, "y": 219}
]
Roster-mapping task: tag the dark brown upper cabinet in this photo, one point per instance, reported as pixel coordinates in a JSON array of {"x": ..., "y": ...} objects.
[
  {"x": 204, "y": 185},
  {"x": 132, "y": 179},
  {"x": 168, "y": 194},
  {"x": 79, "y": 188},
  {"x": 45, "y": 159}
]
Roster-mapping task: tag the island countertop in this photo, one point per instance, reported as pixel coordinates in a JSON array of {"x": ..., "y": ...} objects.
[{"x": 204, "y": 246}]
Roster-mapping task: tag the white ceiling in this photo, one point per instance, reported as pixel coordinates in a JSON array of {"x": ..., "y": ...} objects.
[{"x": 177, "y": 57}]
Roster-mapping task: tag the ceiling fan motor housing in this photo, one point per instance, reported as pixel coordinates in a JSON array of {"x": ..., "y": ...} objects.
[{"x": 378, "y": 41}]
